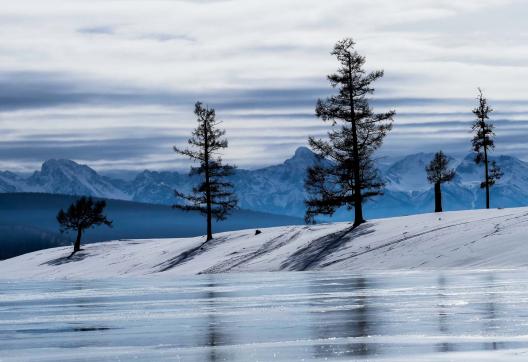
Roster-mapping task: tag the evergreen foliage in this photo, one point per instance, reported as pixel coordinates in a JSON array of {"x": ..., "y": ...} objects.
[
  {"x": 483, "y": 143},
  {"x": 357, "y": 132},
  {"x": 438, "y": 173},
  {"x": 85, "y": 213},
  {"x": 214, "y": 196}
]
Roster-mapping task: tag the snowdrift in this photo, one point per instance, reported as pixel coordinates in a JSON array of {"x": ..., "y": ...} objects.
[{"x": 479, "y": 239}]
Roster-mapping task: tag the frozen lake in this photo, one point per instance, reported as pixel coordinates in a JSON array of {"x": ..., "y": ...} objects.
[{"x": 437, "y": 316}]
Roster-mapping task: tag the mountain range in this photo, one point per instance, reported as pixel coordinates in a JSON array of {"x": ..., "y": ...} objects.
[{"x": 279, "y": 189}]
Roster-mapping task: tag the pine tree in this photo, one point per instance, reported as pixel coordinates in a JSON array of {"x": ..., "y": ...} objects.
[
  {"x": 82, "y": 215},
  {"x": 437, "y": 174},
  {"x": 349, "y": 177},
  {"x": 483, "y": 143},
  {"x": 214, "y": 196}
]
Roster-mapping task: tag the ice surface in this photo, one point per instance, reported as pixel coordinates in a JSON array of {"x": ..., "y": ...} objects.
[{"x": 390, "y": 316}]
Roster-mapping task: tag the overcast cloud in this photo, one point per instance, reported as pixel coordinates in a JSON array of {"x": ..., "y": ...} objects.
[{"x": 113, "y": 83}]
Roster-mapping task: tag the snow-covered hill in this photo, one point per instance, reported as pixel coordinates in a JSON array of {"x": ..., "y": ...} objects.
[
  {"x": 28, "y": 222},
  {"x": 279, "y": 189},
  {"x": 469, "y": 239}
]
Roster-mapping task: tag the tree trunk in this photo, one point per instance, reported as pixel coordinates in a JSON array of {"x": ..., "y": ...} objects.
[
  {"x": 209, "y": 222},
  {"x": 77, "y": 244},
  {"x": 486, "y": 177},
  {"x": 438, "y": 197},
  {"x": 207, "y": 185},
  {"x": 358, "y": 207},
  {"x": 209, "y": 208}
]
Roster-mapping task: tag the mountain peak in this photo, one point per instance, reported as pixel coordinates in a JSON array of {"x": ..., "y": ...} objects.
[
  {"x": 303, "y": 152},
  {"x": 59, "y": 162},
  {"x": 61, "y": 176},
  {"x": 303, "y": 155},
  {"x": 68, "y": 168}
]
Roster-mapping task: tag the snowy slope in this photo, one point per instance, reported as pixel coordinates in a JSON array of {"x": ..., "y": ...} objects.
[{"x": 469, "y": 239}]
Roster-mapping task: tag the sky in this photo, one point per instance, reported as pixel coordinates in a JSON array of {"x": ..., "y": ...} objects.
[{"x": 113, "y": 83}]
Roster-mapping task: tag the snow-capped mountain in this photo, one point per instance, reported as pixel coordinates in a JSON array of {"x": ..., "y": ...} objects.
[
  {"x": 69, "y": 178},
  {"x": 408, "y": 174},
  {"x": 158, "y": 187},
  {"x": 279, "y": 189},
  {"x": 10, "y": 182}
]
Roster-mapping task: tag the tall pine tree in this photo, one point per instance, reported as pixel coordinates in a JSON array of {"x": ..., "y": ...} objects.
[
  {"x": 438, "y": 173},
  {"x": 350, "y": 177},
  {"x": 214, "y": 196},
  {"x": 483, "y": 142}
]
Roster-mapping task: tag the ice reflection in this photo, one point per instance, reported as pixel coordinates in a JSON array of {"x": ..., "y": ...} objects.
[
  {"x": 443, "y": 314},
  {"x": 351, "y": 318},
  {"x": 489, "y": 312},
  {"x": 268, "y": 316},
  {"x": 216, "y": 333}
]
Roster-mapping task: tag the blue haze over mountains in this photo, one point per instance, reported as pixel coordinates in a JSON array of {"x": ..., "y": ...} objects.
[{"x": 279, "y": 189}]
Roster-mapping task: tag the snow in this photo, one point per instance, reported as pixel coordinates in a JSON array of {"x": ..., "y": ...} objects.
[
  {"x": 70, "y": 178},
  {"x": 481, "y": 239},
  {"x": 279, "y": 189}
]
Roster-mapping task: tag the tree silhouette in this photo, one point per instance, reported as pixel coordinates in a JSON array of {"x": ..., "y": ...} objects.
[
  {"x": 350, "y": 177},
  {"x": 483, "y": 143},
  {"x": 214, "y": 196},
  {"x": 438, "y": 173},
  {"x": 82, "y": 215}
]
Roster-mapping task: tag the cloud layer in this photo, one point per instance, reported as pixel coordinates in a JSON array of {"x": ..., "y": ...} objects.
[{"x": 113, "y": 83}]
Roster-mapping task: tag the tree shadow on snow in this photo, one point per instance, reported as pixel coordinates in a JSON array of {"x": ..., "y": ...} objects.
[
  {"x": 311, "y": 255},
  {"x": 190, "y": 254},
  {"x": 77, "y": 256}
]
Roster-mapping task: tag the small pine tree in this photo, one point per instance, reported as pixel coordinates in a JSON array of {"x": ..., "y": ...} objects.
[
  {"x": 82, "y": 215},
  {"x": 438, "y": 173},
  {"x": 483, "y": 143},
  {"x": 214, "y": 196},
  {"x": 357, "y": 132}
]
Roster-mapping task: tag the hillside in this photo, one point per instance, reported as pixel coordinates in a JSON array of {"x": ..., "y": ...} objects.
[
  {"x": 279, "y": 189},
  {"x": 28, "y": 222},
  {"x": 469, "y": 239}
]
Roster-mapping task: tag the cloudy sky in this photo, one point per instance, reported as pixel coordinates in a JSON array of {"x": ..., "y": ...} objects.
[{"x": 112, "y": 83}]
